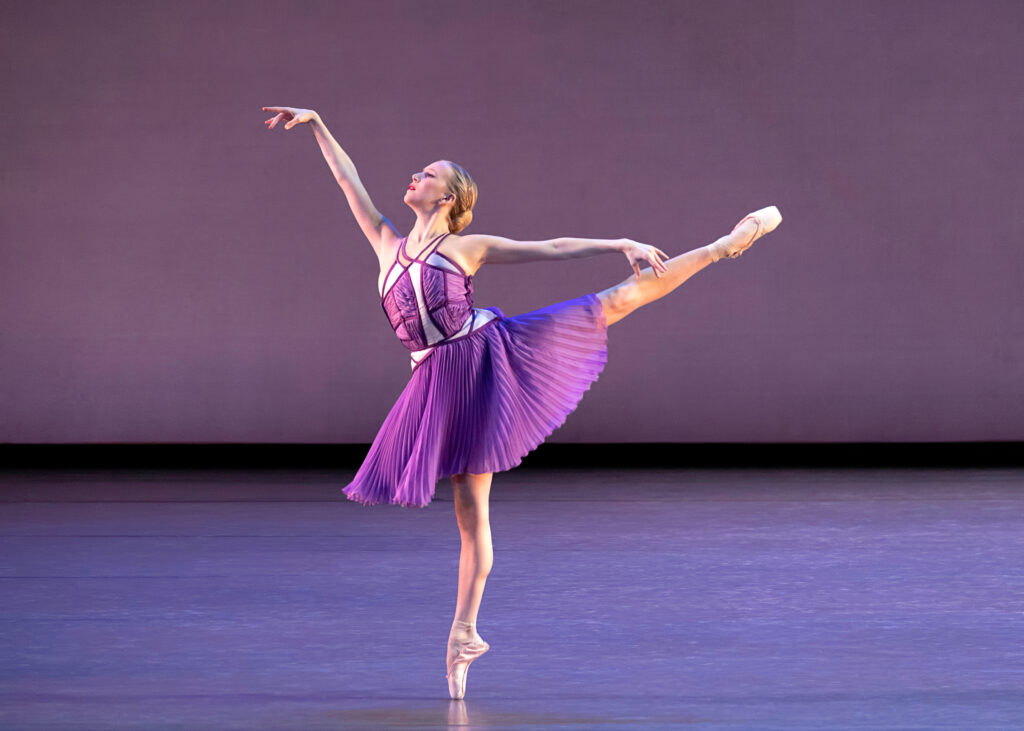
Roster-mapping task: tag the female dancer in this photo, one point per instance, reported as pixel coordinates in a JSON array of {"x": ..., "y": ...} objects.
[{"x": 486, "y": 389}]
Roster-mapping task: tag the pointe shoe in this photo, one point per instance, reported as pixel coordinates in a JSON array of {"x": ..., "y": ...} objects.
[
  {"x": 460, "y": 655},
  {"x": 766, "y": 219}
]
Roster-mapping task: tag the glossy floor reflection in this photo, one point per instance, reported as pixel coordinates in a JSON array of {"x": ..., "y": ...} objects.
[{"x": 640, "y": 599}]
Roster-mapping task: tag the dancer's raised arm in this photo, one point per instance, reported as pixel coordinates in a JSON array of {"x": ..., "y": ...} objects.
[
  {"x": 499, "y": 250},
  {"x": 374, "y": 225}
]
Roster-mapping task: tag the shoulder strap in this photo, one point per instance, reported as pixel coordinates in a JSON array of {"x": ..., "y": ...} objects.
[{"x": 433, "y": 247}]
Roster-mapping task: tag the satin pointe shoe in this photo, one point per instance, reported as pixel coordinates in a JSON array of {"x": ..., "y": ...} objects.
[
  {"x": 766, "y": 219},
  {"x": 466, "y": 648}
]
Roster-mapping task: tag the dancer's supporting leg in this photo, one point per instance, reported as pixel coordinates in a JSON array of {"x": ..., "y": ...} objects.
[
  {"x": 472, "y": 503},
  {"x": 634, "y": 292}
]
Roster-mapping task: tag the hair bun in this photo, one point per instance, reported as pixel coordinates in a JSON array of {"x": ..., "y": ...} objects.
[
  {"x": 461, "y": 221},
  {"x": 464, "y": 188}
]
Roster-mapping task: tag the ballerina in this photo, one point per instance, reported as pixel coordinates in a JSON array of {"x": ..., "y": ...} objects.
[{"x": 485, "y": 389}]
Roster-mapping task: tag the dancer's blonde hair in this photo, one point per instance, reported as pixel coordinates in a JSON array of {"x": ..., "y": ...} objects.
[{"x": 464, "y": 188}]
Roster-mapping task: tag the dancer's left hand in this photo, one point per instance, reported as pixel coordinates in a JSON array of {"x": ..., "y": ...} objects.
[{"x": 637, "y": 252}]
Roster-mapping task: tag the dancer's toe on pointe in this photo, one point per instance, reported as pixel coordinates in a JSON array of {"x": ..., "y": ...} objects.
[{"x": 750, "y": 228}]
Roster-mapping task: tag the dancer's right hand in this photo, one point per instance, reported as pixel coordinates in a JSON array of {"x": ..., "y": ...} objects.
[{"x": 290, "y": 115}]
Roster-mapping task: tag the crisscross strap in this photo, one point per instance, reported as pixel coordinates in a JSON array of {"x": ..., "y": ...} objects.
[{"x": 425, "y": 254}]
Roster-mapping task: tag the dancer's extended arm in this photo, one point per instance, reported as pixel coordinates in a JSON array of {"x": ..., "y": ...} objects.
[
  {"x": 499, "y": 250},
  {"x": 367, "y": 216},
  {"x": 370, "y": 220}
]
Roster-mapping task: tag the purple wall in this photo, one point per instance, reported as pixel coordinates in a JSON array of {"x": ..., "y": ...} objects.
[{"x": 173, "y": 271}]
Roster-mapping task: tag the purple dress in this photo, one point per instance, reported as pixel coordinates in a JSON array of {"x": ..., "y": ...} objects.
[{"x": 485, "y": 389}]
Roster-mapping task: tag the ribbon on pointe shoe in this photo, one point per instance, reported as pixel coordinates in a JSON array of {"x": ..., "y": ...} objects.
[
  {"x": 733, "y": 251},
  {"x": 766, "y": 219}
]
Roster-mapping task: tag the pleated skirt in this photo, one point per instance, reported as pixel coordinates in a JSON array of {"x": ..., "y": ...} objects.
[{"x": 482, "y": 403}]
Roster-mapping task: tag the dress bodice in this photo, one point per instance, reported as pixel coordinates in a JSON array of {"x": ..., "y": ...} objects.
[{"x": 429, "y": 300}]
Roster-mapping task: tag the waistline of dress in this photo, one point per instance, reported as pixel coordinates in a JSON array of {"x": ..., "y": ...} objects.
[{"x": 479, "y": 319}]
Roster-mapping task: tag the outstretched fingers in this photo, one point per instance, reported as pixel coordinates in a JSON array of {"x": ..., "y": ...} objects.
[
  {"x": 272, "y": 122},
  {"x": 657, "y": 265}
]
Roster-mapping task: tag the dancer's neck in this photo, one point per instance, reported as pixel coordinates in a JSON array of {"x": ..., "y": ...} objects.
[{"x": 428, "y": 227}]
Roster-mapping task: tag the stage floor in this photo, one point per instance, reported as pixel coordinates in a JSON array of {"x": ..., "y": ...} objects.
[{"x": 639, "y": 599}]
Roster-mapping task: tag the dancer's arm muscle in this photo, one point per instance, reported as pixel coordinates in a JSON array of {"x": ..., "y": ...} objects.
[{"x": 499, "y": 250}]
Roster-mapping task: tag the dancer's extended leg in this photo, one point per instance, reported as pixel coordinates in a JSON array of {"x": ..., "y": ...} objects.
[
  {"x": 634, "y": 292},
  {"x": 629, "y": 294}
]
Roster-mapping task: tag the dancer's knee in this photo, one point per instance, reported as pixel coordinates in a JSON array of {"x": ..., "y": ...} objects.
[
  {"x": 619, "y": 301},
  {"x": 469, "y": 514},
  {"x": 472, "y": 515}
]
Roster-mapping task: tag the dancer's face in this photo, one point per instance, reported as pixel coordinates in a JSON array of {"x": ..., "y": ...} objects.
[{"x": 429, "y": 187}]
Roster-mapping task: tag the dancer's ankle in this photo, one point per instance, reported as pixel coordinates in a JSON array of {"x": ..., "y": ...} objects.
[
  {"x": 718, "y": 249},
  {"x": 728, "y": 245},
  {"x": 463, "y": 630}
]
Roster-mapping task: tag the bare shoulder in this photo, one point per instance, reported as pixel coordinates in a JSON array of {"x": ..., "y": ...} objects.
[{"x": 467, "y": 251}]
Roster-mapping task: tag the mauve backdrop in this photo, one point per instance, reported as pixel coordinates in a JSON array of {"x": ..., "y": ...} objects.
[{"x": 173, "y": 271}]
